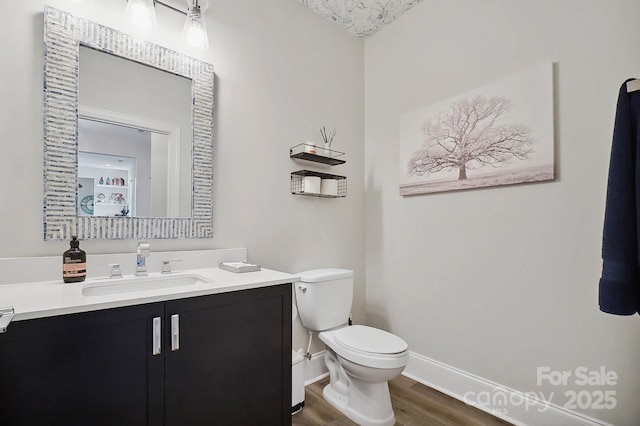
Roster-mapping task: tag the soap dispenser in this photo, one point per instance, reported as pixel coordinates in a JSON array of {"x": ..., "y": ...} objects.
[{"x": 74, "y": 263}]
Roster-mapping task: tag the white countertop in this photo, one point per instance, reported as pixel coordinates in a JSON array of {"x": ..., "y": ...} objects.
[{"x": 50, "y": 298}]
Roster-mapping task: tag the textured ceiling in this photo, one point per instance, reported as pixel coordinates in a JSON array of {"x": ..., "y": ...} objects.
[{"x": 363, "y": 18}]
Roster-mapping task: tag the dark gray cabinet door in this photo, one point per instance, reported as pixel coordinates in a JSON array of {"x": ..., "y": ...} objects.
[
  {"x": 232, "y": 364},
  {"x": 93, "y": 368}
]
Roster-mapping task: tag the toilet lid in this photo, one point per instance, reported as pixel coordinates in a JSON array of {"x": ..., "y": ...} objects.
[{"x": 368, "y": 339}]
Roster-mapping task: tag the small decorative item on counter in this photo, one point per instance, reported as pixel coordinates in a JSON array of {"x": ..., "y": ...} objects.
[
  {"x": 239, "y": 267},
  {"x": 108, "y": 181},
  {"x": 101, "y": 181},
  {"x": 74, "y": 263}
]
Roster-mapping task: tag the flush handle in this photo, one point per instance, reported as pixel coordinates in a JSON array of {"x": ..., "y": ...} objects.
[
  {"x": 157, "y": 341},
  {"x": 175, "y": 332}
]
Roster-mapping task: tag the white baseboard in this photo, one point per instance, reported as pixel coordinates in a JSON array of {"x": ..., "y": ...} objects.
[{"x": 516, "y": 407}]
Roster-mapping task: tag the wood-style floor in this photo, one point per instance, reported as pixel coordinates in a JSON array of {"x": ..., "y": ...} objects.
[{"x": 414, "y": 404}]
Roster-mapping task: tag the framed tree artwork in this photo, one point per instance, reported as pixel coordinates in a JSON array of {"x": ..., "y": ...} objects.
[{"x": 499, "y": 134}]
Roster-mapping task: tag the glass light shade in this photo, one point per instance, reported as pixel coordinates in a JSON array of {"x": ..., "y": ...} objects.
[
  {"x": 142, "y": 13},
  {"x": 195, "y": 30}
]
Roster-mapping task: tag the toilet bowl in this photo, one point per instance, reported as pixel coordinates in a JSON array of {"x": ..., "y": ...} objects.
[{"x": 360, "y": 359}]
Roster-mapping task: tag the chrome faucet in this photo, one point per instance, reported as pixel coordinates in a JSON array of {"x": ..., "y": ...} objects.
[
  {"x": 116, "y": 272},
  {"x": 143, "y": 252},
  {"x": 166, "y": 265}
]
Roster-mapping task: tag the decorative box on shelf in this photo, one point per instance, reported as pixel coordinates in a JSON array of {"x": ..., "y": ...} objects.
[
  {"x": 310, "y": 152},
  {"x": 316, "y": 184}
]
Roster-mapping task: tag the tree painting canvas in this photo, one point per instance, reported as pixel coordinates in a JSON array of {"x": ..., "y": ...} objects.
[{"x": 499, "y": 134}]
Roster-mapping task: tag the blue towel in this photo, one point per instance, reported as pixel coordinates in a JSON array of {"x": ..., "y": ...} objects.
[{"x": 620, "y": 284}]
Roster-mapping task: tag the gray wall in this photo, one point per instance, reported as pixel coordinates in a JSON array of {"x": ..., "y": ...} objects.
[
  {"x": 498, "y": 282},
  {"x": 282, "y": 72}
]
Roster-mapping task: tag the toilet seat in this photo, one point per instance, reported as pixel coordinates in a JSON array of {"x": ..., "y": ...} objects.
[
  {"x": 370, "y": 340},
  {"x": 367, "y": 346}
]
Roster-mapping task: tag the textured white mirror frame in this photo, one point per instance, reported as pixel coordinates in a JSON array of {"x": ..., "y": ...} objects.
[{"x": 63, "y": 35}]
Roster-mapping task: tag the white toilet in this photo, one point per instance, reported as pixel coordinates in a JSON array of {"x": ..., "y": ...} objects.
[{"x": 361, "y": 360}]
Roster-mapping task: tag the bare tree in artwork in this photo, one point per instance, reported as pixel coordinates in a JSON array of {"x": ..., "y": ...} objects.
[{"x": 469, "y": 137}]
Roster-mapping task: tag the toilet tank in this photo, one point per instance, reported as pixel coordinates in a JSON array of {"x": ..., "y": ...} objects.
[{"x": 324, "y": 297}]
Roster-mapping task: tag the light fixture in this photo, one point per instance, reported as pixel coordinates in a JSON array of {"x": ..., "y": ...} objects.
[
  {"x": 142, "y": 13},
  {"x": 195, "y": 30}
]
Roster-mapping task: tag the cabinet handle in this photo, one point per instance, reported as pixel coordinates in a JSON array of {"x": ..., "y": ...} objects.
[
  {"x": 157, "y": 341},
  {"x": 175, "y": 332}
]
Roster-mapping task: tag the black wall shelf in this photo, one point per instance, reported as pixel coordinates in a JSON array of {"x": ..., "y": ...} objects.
[
  {"x": 321, "y": 155},
  {"x": 298, "y": 184}
]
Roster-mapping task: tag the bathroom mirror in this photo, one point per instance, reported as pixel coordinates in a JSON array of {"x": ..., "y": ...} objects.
[
  {"x": 131, "y": 110},
  {"x": 66, "y": 194}
]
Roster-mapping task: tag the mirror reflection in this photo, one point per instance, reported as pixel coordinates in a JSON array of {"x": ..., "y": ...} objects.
[
  {"x": 134, "y": 139},
  {"x": 124, "y": 171}
]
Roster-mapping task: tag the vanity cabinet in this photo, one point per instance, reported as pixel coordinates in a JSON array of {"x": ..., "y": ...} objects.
[
  {"x": 80, "y": 369},
  {"x": 227, "y": 362},
  {"x": 233, "y": 362}
]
